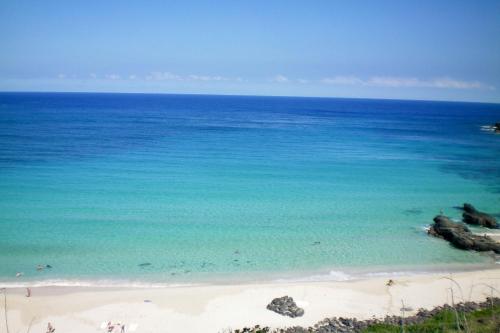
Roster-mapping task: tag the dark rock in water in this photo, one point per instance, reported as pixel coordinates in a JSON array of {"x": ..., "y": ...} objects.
[
  {"x": 412, "y": 211},
  {"x": 48, "y": 266},
  {"x": 145, "y": 264},
  {"x": 460, "y": 236},
  {"x": 285, "y": 306},
  {"x": 469, "y": 208},
  {"x": 497, "y": 127},
  {"x": 472, "y": 216}
]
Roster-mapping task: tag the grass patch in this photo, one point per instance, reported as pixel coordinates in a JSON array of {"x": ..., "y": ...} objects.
[
  {"x": 479, "y": 321},
  {"x": 446, "y": 319}
]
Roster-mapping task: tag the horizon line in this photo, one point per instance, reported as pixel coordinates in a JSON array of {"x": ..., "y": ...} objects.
[{"x": 246, "y": 95}]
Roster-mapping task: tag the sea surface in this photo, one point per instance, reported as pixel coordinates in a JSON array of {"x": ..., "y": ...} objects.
[{"x": 168, "y": 189}]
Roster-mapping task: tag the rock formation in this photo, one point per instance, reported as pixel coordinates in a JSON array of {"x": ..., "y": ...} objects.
[
  {"x": 353, "y": 325},
  {"x": 285, "y": 306},
  {"x": 472, "y": 216},
  {"x": 460, "y": 236}
]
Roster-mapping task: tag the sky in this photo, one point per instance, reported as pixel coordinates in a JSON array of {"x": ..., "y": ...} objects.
[{"x": 432, "y": 50}]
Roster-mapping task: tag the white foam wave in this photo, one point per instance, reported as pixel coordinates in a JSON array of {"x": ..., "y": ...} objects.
[
  {"x": 488, "y": 128},
  {"x": 392, "y": 274},
  {"x": 425, "y": 228},
  {"x": 331, "y": 276},
  {"x": 91, "y": 283}
]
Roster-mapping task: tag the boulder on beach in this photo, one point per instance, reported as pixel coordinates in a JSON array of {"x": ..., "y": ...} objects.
[
  {"x": 285, "y": 306},
  {"x": 460, "y": 236},
  {"x": 472, "y": 216}
]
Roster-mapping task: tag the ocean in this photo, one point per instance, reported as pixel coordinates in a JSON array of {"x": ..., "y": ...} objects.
[{"x": 171, "y": 189}]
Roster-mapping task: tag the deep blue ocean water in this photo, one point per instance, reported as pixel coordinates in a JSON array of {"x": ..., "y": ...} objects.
[{"x": 207, "y": 188}]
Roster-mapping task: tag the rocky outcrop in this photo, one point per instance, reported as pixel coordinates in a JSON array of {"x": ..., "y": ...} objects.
[
  {"x": 472, "y": 216},
  {"x": 460, "y": 236},
  {"x": 497, "y": 127},
  {"x": 285, "y": 306},
  {"x": 352, "y": 325}
]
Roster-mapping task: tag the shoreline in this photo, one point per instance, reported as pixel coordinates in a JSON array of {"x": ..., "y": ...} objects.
[
  {"x": 340, "y": 274},
  {"x": 215, "y": 308}
]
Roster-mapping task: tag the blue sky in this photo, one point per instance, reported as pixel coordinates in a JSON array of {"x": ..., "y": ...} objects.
[{"x": 442, "y": 50}]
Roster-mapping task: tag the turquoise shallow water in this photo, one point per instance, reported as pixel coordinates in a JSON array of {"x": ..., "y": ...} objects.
[{"x": 208, "y": 188}]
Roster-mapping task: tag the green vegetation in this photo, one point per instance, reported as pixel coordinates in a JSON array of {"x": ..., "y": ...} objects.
[
  {"x": 485, "y": 320},
  {"x": 480, "y": 321}
]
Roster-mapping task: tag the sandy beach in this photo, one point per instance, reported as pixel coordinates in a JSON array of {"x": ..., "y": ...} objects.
[
  {"x": 219, "y": 308},
  {"x": 250, "y": 166}
]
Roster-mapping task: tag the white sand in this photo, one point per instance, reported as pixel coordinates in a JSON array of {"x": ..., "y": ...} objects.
[{"x": 218, "y": 308}]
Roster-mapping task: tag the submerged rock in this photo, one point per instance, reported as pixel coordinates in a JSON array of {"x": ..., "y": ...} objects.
[
  {"x": 460, "y": 236},
  {"x": 472, "y": 216},
  {"x": 285, "y": 306},
  {"x": 413, "y": 211}
]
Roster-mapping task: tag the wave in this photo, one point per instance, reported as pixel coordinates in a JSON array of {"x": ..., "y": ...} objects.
[
  {"x": 330, "y": 276},
  {"x": 367, "y": 273},
  {"x": 92, "y": 283},
  {"x": 488, "y": 128},
  {"x": 339, "y": 276}
]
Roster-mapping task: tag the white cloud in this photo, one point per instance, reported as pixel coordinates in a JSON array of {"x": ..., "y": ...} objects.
[
  {"x": 207, "y": 78},
  {"x": 406, "y": 82},
  {"x": 112, "y": 76},
  {"x": 167, "y": 76},
  {"x": 346, "y": 80},
  {"x": 279, "y": 78},
  {"x": 163, "y": 76},
  {"x": 396, "y": 82},
  {"x": 342, "y": 80},
  {"x": 457, "y": 84}
]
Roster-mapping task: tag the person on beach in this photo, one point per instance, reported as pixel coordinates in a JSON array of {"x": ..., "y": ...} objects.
[
  {"x": 28, "y": 292},
  {"x": 50, "y": 328},
  {"x": 122, "y": 328}
]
